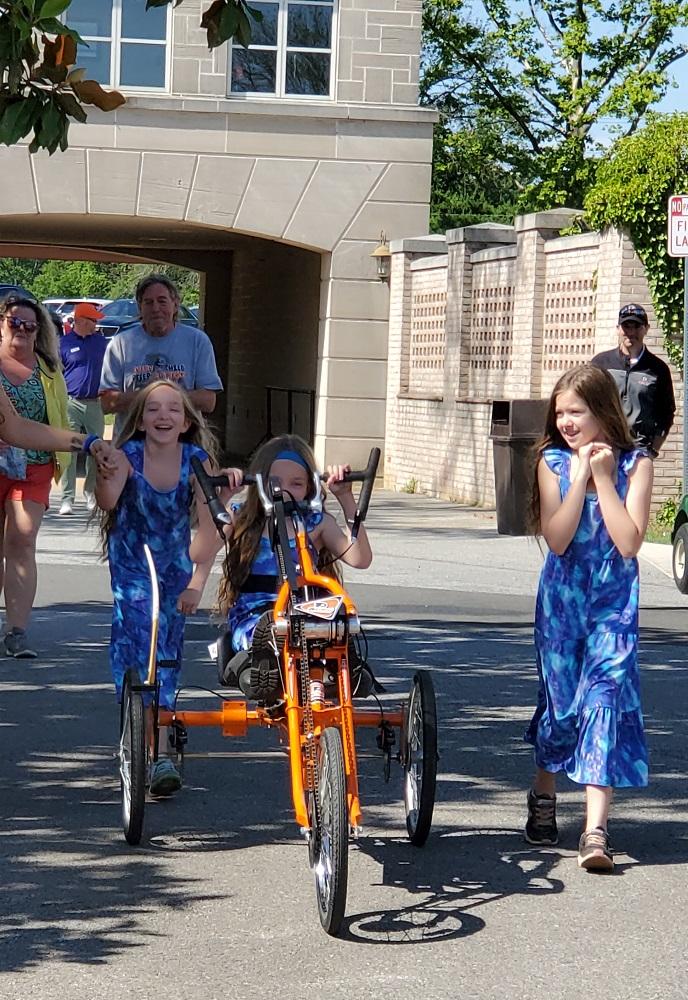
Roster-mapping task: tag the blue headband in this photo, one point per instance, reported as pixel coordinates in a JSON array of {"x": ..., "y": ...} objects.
[{"x": 292, "y": 456}]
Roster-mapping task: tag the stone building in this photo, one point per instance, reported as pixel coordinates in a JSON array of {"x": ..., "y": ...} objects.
[
  {"x": 272, "y": 171},
  {"x": 493, "y": 312}
]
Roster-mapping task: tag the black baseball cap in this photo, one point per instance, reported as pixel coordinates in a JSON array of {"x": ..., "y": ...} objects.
[{"x": 632, "y": 311}]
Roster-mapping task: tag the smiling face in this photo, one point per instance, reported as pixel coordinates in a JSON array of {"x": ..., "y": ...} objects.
[
  {"x": 158, "y": 308},
  {"x": 292, "y": 477},
  {"x": 163, "y": 419},
  {"x": 19, "y": 329},
  {"x": 575, "y": 420}
]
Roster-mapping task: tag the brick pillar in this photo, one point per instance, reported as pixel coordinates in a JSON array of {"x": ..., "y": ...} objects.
[
  {"x": 461, "y": 245},
  {"x": 525, "y": 378}
]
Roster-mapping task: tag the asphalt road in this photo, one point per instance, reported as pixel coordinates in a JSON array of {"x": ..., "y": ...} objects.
[{"x": 218, "y": 900}]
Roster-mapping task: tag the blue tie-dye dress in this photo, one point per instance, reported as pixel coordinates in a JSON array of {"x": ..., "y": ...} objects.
[
  {"x": 161, "y": 519},
  {"x": 588, "y": 721}
]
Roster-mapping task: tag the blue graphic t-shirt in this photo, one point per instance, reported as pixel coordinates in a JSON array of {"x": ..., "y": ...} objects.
[{"x": 184, "y": 356}]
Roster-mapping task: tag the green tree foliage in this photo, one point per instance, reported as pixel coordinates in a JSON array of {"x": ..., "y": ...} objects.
[
  {"x": 631, "y": 192},
  {"x": 545, "y": 79},
  {"x": 49, "y": 279},
  {"x": 42, "y": 90}
]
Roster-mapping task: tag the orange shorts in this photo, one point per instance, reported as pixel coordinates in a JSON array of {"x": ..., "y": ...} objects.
[{"x": 35, "y": 487}]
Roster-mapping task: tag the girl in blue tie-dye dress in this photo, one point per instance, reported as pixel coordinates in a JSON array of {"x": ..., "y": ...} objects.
[
  {"x": 591, "y": 503},
  {"x": 250, "y": 576},
  {"x": 148, "y": 499}
]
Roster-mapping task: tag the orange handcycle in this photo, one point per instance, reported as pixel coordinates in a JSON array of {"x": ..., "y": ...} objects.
[{"x": 313, "y": 623}]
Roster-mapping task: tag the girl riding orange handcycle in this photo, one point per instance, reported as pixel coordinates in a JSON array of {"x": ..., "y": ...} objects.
[{"x": 313, "y": 620}]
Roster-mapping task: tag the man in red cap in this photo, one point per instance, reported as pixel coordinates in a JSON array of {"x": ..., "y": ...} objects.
[
  {"x": 643, "y": 380},
  {"x": 82, "y": 353}
]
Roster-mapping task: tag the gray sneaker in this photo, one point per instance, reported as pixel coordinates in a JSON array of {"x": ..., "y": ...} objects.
[
  {"x": 594, "y": 851},
  {"x": 16, "y": 645},
  {"x": 541, "y": 828}
]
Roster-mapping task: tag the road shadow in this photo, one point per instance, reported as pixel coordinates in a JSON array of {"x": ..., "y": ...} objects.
[
  {"x": 449, "y": 881},
  {"x": 73, "y": 890}
]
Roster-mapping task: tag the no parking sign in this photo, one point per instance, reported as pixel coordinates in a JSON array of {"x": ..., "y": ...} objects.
[{"x": 678, "y": 225}]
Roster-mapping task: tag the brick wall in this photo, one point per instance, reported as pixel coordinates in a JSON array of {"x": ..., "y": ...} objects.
[{"x": 522, "y": 305}]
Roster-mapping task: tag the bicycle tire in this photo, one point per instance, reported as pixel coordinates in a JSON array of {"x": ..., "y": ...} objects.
[
  {"x": 132, "y": 762},
  {"x": 419, "y": 756},
  {"x": 332, "y": 856}
]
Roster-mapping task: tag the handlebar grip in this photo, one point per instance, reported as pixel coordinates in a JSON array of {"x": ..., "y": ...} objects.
[
  {"x": 208, "y": 484},
  {"x": 368, "y": 483}
]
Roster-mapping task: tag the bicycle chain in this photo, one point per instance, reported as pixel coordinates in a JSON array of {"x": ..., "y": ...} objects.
[{"x": 310, "y": 749}]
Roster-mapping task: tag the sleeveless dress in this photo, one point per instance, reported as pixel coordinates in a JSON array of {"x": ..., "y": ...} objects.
[
  {"x": 252, "y": 603},
  {"x": 588, "y": 721},
  {"x": 162, "y": 519}
]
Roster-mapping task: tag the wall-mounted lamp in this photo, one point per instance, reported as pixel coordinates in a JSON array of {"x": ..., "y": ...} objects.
[{"x": 383, "y": 258}]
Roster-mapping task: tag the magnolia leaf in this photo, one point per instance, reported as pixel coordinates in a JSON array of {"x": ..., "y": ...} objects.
[
  {"x": 90, "y": 92},
  {"x": 53, "y": 8},
  {"x": 71, "y": 106},
  {"x": 230, "y": 22},
  {"x": 17, "y": 119},
  {"x": 212, "y": 12},
  {"x": 243, "y": 31},
  {"x": 76, "y": 75}
]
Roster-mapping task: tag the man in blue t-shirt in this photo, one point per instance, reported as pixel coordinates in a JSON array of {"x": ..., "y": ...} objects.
[
  {"x": 82, "y": 352},
  {"x": 158, "y": 347}
]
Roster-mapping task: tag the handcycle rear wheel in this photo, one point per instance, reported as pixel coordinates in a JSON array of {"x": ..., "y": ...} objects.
[
  {"x": 132, "y": 761},
  {"x": 419, "y": 757},
  {"x": 332, "y": 847}
]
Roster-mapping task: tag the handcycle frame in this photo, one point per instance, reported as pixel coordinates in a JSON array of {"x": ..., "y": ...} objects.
[{"x": 312, "y": 621}]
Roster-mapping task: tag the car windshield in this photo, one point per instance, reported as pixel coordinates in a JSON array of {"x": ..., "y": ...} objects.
[{"x": 121, "y": 307}]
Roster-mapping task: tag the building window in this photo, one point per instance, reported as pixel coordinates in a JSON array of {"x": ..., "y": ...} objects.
[
  {"x": 290, "y": 54},
  {"x": 127, "y": 44}
]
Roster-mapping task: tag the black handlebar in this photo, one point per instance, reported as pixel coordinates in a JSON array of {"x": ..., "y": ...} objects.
[
  {"x": 221, "y": 517},
  {"x": 368, "y": 479}
]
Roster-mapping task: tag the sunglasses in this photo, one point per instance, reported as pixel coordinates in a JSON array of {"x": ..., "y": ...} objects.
[{"x": 15, "y": 323}]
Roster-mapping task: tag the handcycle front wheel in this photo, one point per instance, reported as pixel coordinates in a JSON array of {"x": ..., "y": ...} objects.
[
  {"x": 132, "y": 761},
  {"x": 332, "y": 832},
  {"x": 419, "y": 757}
]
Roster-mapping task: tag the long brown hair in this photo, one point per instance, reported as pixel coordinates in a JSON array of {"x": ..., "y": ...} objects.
[
  {"x": 197, "y": 433},
  {"x": 249, "y": 522},
  {"x": 598, "y": 391}
]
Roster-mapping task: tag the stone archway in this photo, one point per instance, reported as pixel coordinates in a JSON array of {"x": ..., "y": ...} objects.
[{"x": 259, "y": 300}]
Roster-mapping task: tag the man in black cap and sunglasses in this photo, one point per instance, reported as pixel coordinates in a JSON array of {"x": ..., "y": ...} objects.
[{"x": 643, "y": 380}]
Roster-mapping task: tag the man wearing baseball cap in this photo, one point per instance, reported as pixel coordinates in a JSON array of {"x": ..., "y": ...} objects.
[
  {"x": 643, "y": 380},
  {"x": 82, "y": 353}
]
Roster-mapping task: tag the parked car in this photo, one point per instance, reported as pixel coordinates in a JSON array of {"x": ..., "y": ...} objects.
[
  {"x": 679, "y": 540},
  {"x": 15, "y": 290},
  {"x": 121, "y": 313},
  {"x": 65, "y": 308}
]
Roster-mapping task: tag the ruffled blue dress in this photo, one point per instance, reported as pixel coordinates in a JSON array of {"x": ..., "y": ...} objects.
[
  {"x": 588, "y": 721},
  {"x": 162, "y": 520}
]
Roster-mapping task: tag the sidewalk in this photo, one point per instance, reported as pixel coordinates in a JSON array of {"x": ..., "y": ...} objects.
[{"x": 418, "y": 542}]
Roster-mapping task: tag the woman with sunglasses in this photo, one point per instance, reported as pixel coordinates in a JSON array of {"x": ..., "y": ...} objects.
[{"x": 33, "y": 416}]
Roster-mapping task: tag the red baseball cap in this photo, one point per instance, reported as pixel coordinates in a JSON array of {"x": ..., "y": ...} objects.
[{"x": 86, "y": 310}]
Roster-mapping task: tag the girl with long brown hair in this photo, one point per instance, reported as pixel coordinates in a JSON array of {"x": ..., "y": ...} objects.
[
  {"x": 591, "y": 503},
  {"x": 249, "y": 579},
  {"x": 148, "y": 499}
]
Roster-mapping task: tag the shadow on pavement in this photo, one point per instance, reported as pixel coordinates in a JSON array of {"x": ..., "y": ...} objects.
[{"x": 73, "y": 890}]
